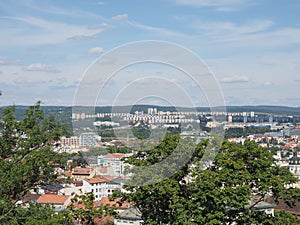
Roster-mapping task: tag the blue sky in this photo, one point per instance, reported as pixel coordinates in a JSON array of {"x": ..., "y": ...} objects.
[{"x": 252, "y": 47}]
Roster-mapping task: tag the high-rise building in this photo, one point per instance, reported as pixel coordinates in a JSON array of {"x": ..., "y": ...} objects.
[{"x": 88, "y": 139}]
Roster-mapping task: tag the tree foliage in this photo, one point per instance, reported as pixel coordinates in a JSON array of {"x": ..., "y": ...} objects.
[
  {"x": 82, "y": 211},
  {"x": 27, "y": 158},
  {"x": 227, "y": 191}
]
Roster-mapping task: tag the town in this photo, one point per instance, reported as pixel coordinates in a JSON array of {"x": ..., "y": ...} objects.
[{"x": 99, "y": 163}]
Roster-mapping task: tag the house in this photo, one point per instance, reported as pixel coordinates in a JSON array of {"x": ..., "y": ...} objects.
[
  {"x": 50, "y": 189},
  {"x": 114, "y": 163},
  {"x": 27, "y": 199},
  {"x": 70, "y": 190},
  {"x": 129, "y": 216},
  {"x": 294, "y": 165},
  {"x": 101, "y": 186},
  {"x": 82, "y": 173},
  {"x": 117, "y": 203},
  {"x": 59, "y": 202}
]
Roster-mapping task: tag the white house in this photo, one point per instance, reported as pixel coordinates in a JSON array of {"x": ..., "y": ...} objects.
[
  {"x": 100, "y": 186},
  {"x": 129, "y": 216},
  {"x": 114, "y": 163},
  {"x": 59, "y": 202}
]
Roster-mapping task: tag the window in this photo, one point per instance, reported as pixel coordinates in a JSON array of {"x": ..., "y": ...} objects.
[{"x": 96, "y": 189}]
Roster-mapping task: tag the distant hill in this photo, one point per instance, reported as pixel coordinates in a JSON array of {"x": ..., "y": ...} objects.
[
  {"x": 277, "y": 110},
  {"x": 64, "y": 113}
]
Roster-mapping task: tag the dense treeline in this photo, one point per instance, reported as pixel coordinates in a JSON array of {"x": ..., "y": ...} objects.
[{"x": 244, "y": 132}]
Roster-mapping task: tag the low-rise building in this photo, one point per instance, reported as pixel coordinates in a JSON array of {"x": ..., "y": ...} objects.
[
  {"x": 114, "y": 164},
  {"x": 70, "y": 141},
  {"x": 59, "y": 202},
  {"x": 82, "y": 173},
  {"x": 100, "y": 186},
  {"x": 129, "y": 216}
]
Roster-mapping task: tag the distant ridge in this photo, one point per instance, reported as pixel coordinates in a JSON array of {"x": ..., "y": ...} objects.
[{"x": 66, "y": 111}]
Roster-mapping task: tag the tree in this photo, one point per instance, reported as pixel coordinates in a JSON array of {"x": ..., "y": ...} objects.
[
  {"x": 141, "y": 131},
  {"x": 82, "y": 210},
  {"x": 27, "y": 159},
  {"x": 225, "y": 192},
  {"x": 283, "y": 217}
]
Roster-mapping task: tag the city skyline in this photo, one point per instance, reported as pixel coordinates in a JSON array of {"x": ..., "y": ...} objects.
[{"x": 252, "y": 47}]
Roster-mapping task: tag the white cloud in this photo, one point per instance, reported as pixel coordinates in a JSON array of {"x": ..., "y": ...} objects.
[
  {"x": 83, "y": 37},
  {"x": 235, "y": 79},
  {"x": 257, "y": 33},
  {"x": 268, "y": 83},
  {"x": 7, "y": 61},
  {"x": 220, "y": 5},
  {"x": 231, "y": 29},
  {"x": 101, "y": 26},
  {"x": 94, "y": 51},
  {"x": 157, "y": 30},
  {"x": 39, "y": 32},
  {"x": 120, "y": 17},
  {"x": 41, "y": 68}
]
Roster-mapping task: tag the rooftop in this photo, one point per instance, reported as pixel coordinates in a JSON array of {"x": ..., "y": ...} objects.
[
  {"x": 82, "y": 171},
  {"x": 132, "y": 213},
  {"x": 115, "y": 155},
  {"x": 116, "y": 202},
  {"x": 53, "y": 199},
  {"x": 98, "y": 179}
]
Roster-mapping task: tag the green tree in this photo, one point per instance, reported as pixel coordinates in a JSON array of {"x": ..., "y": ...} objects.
[
  {"x": 82, "y": 211},
  {"x": 27, "y": 159},
  {"x": 142, "y": 131},
  {"x": 285, "y": 218},
  {"x": 224, "y": 191}
]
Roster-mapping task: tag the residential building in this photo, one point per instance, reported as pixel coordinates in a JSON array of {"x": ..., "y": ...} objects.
[
  {"x": 59, "y": 202},
  {"x": 82, "y": 173},
  {"x": 294, "y": 165},
  {"x": 88, "y": 139},
  {"x": 100, "y": 186},
  {"x": 113, "y": 162},
  {"x": 129, "y": 216},
  {"x": 70, "y": 141}
]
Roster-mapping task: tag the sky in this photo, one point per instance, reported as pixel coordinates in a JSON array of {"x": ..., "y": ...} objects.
[{"x": 251, "y": 48}]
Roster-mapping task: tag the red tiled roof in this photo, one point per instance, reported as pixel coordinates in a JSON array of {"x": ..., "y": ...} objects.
[
  {"x": 81, "y": 205},
  {"x": 116, "y": 202},
  {"x": 98, "y": 179},
  {"x": 82, "y": 171},
  {"x": 115, "y": 155},
  {"x": 53, "y": 199}
]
